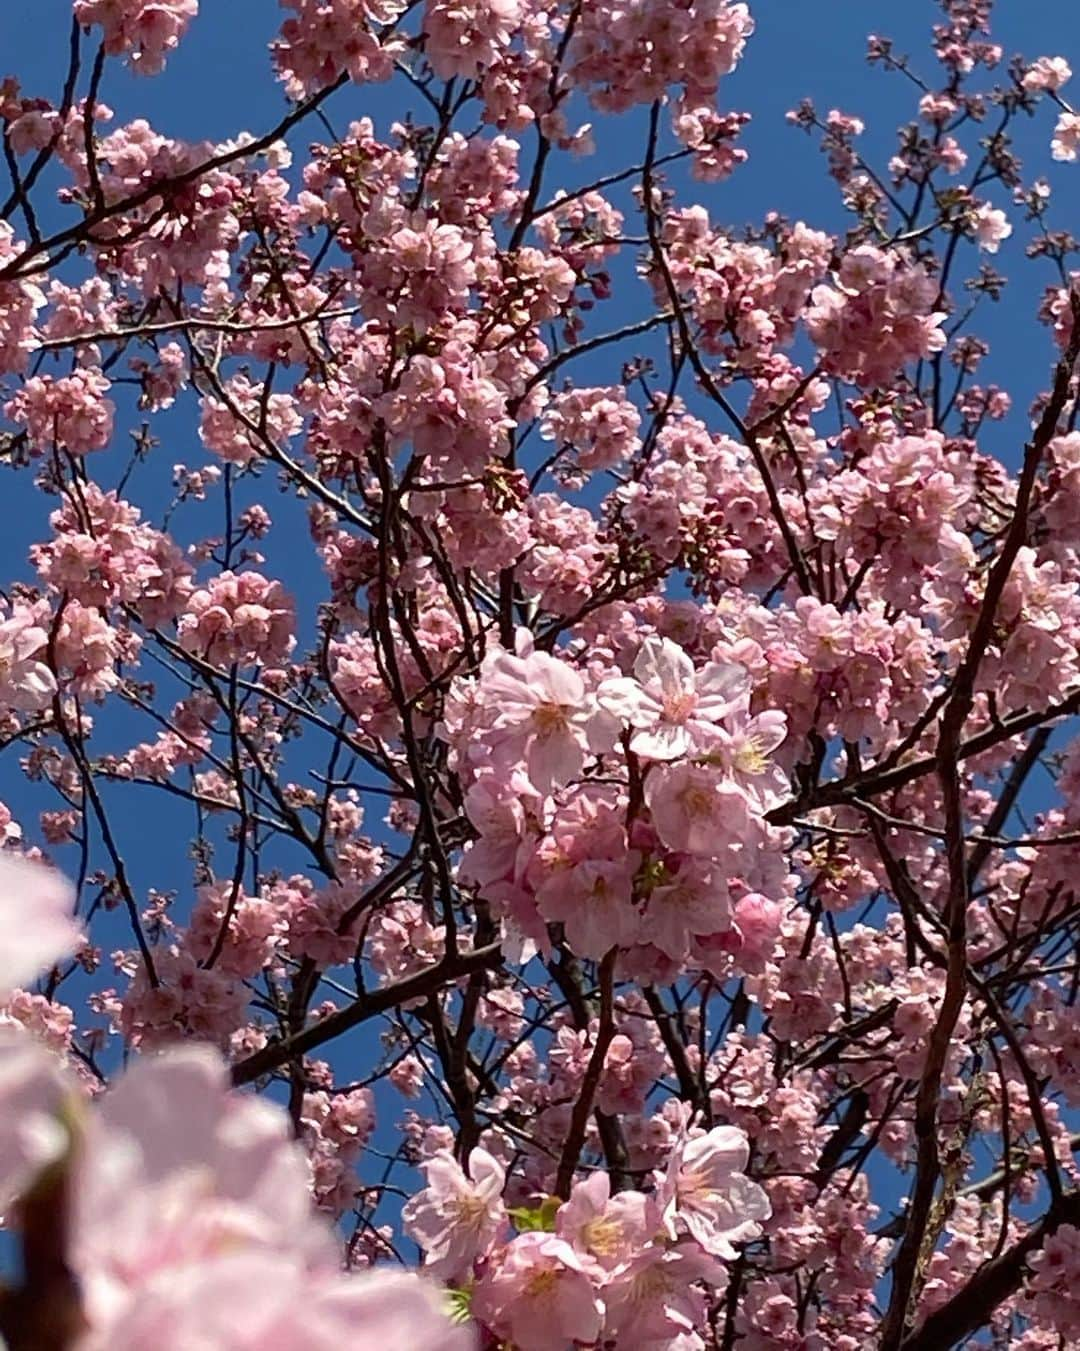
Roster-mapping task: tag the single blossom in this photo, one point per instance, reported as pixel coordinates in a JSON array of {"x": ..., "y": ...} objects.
[
  {"x": 705, "y": 1192},
  {"x": 693, "y": 900},
  {"x": 1065, "y": 144},
  {"x": 674, "y": 709},
  {"x": 540, "y": 1296},
  {"x": 593, "y": 899},
  {"x": 991, "y": 227},
  {"x": 607, "y": 1230},
  {"x": 26, "y": 683},
  {"x": 542, "y": 715},
  {"x": 655, "y": 1300},
  {"x": 458, "y": 1215},
  {"x": 696, "y": 809},
  {"x": 744, "y": 748}
]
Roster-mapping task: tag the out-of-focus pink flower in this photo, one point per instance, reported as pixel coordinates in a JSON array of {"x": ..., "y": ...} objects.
[
  {"x": 263, "y": 1301},
  {"x": 36, "y": 924},
  {"x": 192, "y": 1225},
  {"x": 32, "y": 1088}
]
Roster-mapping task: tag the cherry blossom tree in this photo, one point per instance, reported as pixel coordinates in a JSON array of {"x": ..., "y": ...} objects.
[{"x": 612, "y": 708}]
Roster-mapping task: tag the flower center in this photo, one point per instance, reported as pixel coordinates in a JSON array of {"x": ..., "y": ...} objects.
[
  {"x": 694, "y": 1188},
  {"x": 469, "y": 1210},
  {"x": 542, "y": 1283},
  {"x": 696, "y": 801},
  {"x": 650, "y": 1285},
  {"x": 678, "y": 707},
  {"x": 750, "y": 758},
  {"x": 602, "y": 1236},
  {"x": 549, "y": 719},
  {"x": 601, "y": 890}
]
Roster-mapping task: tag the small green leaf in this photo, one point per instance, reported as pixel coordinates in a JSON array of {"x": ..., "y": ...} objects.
[
  {"x": 536, "y": 1219},
  {"x": 460, "y": 1305}
]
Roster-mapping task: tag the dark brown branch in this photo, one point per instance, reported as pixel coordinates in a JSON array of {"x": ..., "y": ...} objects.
[
  {"x": 579, "y": 1120},
  {"x": 364, "y": 1008},
  {"x": 973, "y": 1306}
]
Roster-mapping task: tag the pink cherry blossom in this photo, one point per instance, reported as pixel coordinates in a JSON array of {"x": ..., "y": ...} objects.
[
  {"x": 655, "y": 1300},
  {"x": 568, "y": 739},
  {"x": 71, "y": 413},
  {"x": 595, "y": 904},
  {"x": 33, "y": 1088},
  {"x": 323, "y": 39},
  {"x": 542, "y": 714},
  {"x": 695, "y": 809},
  {"x": 599, "y": 426},
  {"x": 465, "y": 36},
  {"x": 706, "y": 1194},
  {"x": 239, "y": 617},
  {"x": 674, "y": 708},
  {"x": 877, "y": 317},
  {"x": 458, "y": 1216},
  {"x": 693, "y": 900},
  {"x": 607, "y": 1229},
  {"x": 26, "y": 682},
  {"x": 541, "y": 1296},
  {"x": 991, "y": 227},
  {"x": 192, "y": 1208},
  {"x": 1066, "y": 141},
  {"x": 1047, "y": 73},
  {"x": 147, "y": 29},
  {"x": 745, "y": 748}
]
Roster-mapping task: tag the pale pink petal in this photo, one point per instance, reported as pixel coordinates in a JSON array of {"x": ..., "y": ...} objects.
[
  {"x": 36, "y": 924},
  {"x": 32, "y": 1089},
  {"x": 723, "y": 1149},
  {"x": 721, "y": 690},
  {"x": 665, "y": 665},
  {"x": 627, "y": 701},
  {"x": 667, "y": 741}
]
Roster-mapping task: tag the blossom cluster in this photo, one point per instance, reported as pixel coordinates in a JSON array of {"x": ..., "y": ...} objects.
[
  {"x": 620, "y": 1267},
  {"x": 558, "y": 704}
]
